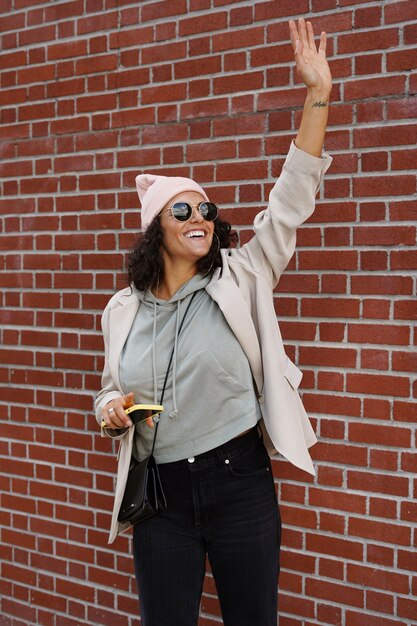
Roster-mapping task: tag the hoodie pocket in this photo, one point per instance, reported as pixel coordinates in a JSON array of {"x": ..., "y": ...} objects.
[{"x": 205, "y": 387}]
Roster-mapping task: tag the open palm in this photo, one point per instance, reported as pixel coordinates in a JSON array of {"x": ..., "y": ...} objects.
[{"x": 312, "y": 65}]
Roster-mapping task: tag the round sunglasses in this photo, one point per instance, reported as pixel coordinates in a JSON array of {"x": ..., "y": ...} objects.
[{"x": 182, "y": 211}]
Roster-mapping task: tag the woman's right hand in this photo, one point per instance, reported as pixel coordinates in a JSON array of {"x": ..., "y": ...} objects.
[
  {"x": 114, "y": 415},
  {"x": 113, "y": 412}
]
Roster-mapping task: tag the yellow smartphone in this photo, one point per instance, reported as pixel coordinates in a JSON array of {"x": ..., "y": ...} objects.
[{"x": 140, "y": 412}]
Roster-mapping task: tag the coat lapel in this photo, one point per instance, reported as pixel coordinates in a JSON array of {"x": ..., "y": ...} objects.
[{"x": 121, "y": 320}]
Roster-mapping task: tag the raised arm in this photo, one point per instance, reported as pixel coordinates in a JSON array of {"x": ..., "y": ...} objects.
[{"x": 314, "y": 71}]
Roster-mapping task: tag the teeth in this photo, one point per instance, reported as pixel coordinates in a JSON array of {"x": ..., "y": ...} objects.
[{"x": 195, "y": 233}]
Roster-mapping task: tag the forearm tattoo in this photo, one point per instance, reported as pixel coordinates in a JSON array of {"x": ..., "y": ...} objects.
[{"x": 319, "y": 104}]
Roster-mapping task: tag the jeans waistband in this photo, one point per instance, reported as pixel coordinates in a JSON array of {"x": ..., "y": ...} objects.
[{"x": 229, "y": 450}]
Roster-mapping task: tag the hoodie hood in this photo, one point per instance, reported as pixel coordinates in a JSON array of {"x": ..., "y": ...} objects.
[{"x": 194, "y": 284}]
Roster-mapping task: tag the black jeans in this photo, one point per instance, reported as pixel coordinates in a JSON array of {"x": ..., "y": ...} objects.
[{"x": 221, "y": 504}]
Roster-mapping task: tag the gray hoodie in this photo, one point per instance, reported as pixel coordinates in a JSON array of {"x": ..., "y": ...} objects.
[{"x": 209, "y": 397}]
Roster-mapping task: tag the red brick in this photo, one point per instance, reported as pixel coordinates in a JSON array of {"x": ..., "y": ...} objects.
[
  {"x": 380, "y": 602},
  {"x": 13, "y": 59},
  {"x": 381, "y": 334},
  {"x": 337, "y": 500},
  {"x": 399, "y": 61},
  {"x": 385, "y": 460},
  {"x": 400, "y": 11},
  {"x": 407, "y": 560},
  {"x": 330, "y": 307},
  {"x": 369, "y": 88},
  {"x": 408, "y": 511},
  {"x": 385, "y": 136},
  {"x": 333, "y": 357},
  {"x": 96, "y": 103},
  {"x": 403, "y": 260},
  {"x": 375, "y": 359},
  {"x": 36, "y": 35},
  {"x": 200, "y": 24},
  {"x": 211, "y": 152},
  {"x": 239, "y": 38},
  {"x": 325, "y": 259},
  {"x": 387, "y": 285},
  {"x": 381, "y": 555},
  {"x": 402, "y": 108},
  {"x": 384, "y": 236},
  {"x": 164, "y": 8},
  {"x": 384, "y": 185},
  {"x": 252, "y": 124},
  {"x": 380, "y": 435},
  {"x": 403, "y": 211},
  {"x": 329, "y": 614},
  {"x": 238, "y": 82},
  {"x": 373, "y": 260},
  {"x": 376, "y": 384},
  {"x": 68, "y": 49},
  {"x": 241, "y": 170},
  {"x": 376, "y": 309},
  {"x": 330, "y": 381},
  {"x": 329, "y": 590},
  {"x": 407, "y": 608},
  {"x": 378, "y": 483},
  {"x": 404, "y": 361},
  {"x": 360, "y": 42},
  {"x": 405, "y": 411},
  {"x": 379, "y": 579}
]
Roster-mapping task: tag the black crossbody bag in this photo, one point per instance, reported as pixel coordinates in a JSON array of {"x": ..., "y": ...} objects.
[{"x": 144, "y": 496}]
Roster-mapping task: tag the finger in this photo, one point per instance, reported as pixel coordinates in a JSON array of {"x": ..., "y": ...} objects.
[
  {"x": 122, "y": 417},
  {"x": 128, "y": 400},
  {"x": 295, "y": 40},
  {"x": 117, "y": 417},
  {"x": 323, "y": 43},
  {"x": 302, "y": 32},
  {"x": 149, "y": 422},
  {"x": 310, "y": 36},
  {"x": 107, "y": 418},
  {"x": 293, "y": 34}
]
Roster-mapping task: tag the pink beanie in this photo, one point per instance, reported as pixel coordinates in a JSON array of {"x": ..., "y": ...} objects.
[{"x": 155, "y": 191}]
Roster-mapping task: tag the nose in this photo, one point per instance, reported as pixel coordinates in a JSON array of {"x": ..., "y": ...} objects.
[{"x": 196, "y": 215}]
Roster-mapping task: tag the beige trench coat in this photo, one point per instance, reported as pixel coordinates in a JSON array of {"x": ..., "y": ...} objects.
[{"x": 242, "y": 287}]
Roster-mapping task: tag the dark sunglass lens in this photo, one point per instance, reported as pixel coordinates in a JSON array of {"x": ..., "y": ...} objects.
[
  {"x": 208, "y": 210},
  {"x": 181, "y": 211}
]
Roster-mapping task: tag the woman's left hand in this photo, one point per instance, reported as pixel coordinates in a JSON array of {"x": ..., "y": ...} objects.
[{"x": 312, "y": 66}]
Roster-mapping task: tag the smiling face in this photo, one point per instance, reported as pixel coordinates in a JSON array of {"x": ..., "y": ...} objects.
[{"x": 185, "y": 242}]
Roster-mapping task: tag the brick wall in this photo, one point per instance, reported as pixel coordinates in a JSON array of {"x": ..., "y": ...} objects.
[{"x": 96, "y": 91}]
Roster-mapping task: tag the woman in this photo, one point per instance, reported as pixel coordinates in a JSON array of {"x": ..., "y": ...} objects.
[{"x": 229, "y": 379}]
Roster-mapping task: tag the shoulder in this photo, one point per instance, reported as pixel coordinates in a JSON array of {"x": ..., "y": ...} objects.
[{"x": 120, "y": 298}]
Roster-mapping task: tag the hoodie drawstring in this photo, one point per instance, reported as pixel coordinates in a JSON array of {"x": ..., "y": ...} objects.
[
  {"x": 174, "y": 412},
  {"x": 155, "y": 382}
]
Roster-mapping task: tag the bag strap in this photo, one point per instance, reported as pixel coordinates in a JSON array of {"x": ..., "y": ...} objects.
[{"x": 168, "y": 369}]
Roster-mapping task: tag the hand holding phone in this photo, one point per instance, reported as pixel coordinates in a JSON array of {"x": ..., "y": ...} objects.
[{"x": 138, "y": 413}]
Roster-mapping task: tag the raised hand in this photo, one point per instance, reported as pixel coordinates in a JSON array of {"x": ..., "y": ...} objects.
[{"x": 312, "y": 65}]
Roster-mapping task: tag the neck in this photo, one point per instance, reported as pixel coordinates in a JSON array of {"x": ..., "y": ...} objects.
[{"x": 175, "y": 276}]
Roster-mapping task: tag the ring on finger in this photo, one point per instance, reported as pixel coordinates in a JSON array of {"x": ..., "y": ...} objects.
[{"x": 111, "y": 410}]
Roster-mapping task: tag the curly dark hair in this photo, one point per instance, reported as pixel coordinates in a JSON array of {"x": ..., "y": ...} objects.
[{"x": 145, "y": 264}]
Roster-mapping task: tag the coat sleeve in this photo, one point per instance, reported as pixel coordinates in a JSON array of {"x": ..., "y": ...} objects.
[
  {"x": 109, "y": 390},
  {"x": 291, "y": 202}
]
